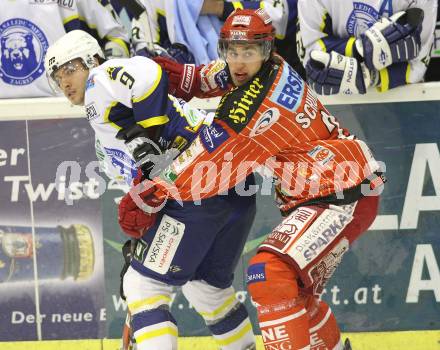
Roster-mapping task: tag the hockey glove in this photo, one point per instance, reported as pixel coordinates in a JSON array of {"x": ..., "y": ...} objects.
[
  {"x": 138, "y": 209},
  {"x": 330, "y": 74},
  {"x": 181, "y": 53},
  {"x": 187, "y": 81},
  {"x": 146, "y": 153},
  {"x": 183, "y": 79},
  {"x": 391, "y": 40},
  {"x": 214, "y": 77}
]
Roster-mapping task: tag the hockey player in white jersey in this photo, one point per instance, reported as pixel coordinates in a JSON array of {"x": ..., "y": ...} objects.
[
  {"x": 153, "y": 32},
  {"x": 381, "y": 43},
  {"x": 128, "y": 98},
  {"x": 28, "y": 28}
]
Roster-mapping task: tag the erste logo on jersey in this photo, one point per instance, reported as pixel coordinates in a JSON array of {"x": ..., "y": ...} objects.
[
  {"x": 266, "y": 120},
  {"x": 289, "y": 90},
  {"x": 23, "y": 46},
  {"x": 361, "y": 18}
]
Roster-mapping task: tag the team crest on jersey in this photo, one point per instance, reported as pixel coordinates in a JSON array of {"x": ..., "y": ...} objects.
[
  {"x": 267, "y": 119},
  {"x": 213, "y": 136},
  {"x": 23, "y": 46},
  {"x": 361, "y": 18},
  {"x": 321, "y": 154},
  {"x": 122, "y": 162},
  {"x": 90, "y": 82}
]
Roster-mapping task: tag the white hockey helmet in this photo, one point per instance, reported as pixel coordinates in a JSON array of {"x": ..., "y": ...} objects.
[{"x": 72, "y": 45}]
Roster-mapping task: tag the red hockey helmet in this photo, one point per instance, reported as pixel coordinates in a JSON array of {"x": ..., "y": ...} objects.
[{"x": 247, "y": 27}]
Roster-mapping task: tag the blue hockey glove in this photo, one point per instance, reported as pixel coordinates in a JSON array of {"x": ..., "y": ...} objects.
[
  {"x": 331, "y": 74},
  {"x": 181, "y": 53},
  {"x": 391, "y": 40}
]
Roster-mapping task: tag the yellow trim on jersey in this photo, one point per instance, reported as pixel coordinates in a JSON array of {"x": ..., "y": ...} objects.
[
  {"x": 151, "y": 89},
  {"x": 119, "y": 42},
  {"x": 384, "y": 80},
  {"x": 107, "y": 113},
  {"x": 237, "y": 5},
  {"x": 408, "y": 73},
  {"x": 235, "y": 337},
  {"x": 148, "y": 301},
  {"x": 349, "y": 47},
  {"x": 220, "y": 309},
  {"x": 159, "y": 120},
  {"x": 161, "y": 13},
  {"x": 156, "y": 333},
  {"x": 321, "y": 28},
  {"x": 81, "y": 18},
  {"x": 322, "y": 45},
  {"x": 262, "y": 5}
]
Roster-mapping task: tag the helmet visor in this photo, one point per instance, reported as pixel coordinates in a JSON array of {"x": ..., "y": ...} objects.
[
  {"x": 234, "y": 51},
  {"x": 64, "y": 72}
]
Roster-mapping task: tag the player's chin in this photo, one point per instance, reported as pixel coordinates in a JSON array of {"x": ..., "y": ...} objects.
[
  {"x": 239, "y": 82},
  {"x": 76, "y": 100}
]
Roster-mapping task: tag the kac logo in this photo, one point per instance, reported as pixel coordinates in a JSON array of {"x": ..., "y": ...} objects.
[
  {"x": 23, "y": 46},
  {"x": 267, "y": 119}
]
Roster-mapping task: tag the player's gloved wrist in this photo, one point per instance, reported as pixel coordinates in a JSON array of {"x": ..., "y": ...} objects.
[
  {"x": 142, "y": 148},
  {"x": 180, "y": 53},
  {"x": 391, "y": 40},
  {"x": 371, "y": 77},
  {"x": 138, "y": 209},
  {"x": 333, "y": 73},
  {"x": 214, "y": 77},
  {"x": 183, "y": 79}
]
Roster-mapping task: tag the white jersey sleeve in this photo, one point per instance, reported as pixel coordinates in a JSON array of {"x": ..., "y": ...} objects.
[
  {"x": 156, "y": 25},
  {"x": 120, "y": 93},
  {"x": 108, "y": 26},
  {"x": 334, "y": 26}
]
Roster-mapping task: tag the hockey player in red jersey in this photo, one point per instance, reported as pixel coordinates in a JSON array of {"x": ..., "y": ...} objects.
[{"x": 328, "y": 181}]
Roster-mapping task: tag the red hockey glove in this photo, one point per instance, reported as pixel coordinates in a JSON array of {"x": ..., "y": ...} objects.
[
  {"x": 187, "y": 80},
  {"x": 138, "y": 209},
  {"x": 183, "y": 79}
]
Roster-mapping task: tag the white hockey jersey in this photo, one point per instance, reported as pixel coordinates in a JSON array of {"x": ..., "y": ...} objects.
[
  {"x": 333, "y": 25},
  {"x": 122, "y": 92},
  {"x": 157, "y": 26},
  {"x": 29, "y": 27}
]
